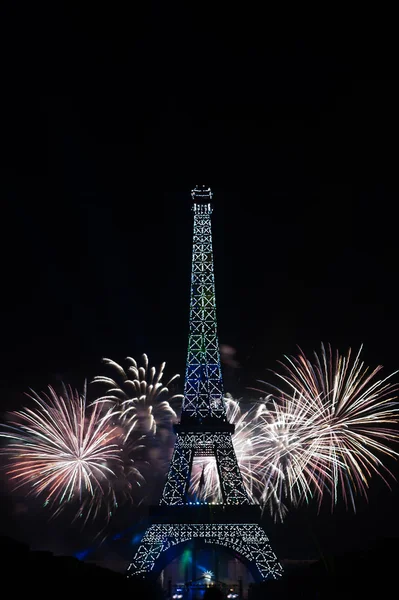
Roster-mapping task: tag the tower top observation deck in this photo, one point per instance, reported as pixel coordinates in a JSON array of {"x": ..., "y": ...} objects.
[{"x": 202, "y": 196}]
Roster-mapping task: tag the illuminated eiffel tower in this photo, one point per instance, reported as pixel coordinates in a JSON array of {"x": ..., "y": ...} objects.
[{"x": 233, "y": 524}]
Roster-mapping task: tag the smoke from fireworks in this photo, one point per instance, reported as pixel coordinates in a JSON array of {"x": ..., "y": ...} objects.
[
  {"x": 64, "y": 452},
  {"x": 328, "y": 431},
  {"x": 138, "y": 395}
]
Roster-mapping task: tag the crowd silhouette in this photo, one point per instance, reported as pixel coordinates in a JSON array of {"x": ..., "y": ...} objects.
[{"x": 366, "y": 574}]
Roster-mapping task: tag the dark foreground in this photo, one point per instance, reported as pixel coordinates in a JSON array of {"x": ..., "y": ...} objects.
[{"x": 367, "y": 574}]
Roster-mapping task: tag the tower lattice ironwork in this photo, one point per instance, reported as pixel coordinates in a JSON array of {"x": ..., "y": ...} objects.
[{"x": 204, "y": 431}]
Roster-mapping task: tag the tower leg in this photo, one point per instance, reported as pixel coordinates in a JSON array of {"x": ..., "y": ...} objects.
[
  {"x": 231, "y": 482},
  {"x": 177, "y": 482}
]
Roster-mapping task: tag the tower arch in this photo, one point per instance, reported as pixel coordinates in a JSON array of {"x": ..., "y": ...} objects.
[{"x": 163, "y": 542}]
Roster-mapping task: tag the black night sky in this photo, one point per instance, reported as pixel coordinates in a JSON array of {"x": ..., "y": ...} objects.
[{"x": 111, "y": 117}]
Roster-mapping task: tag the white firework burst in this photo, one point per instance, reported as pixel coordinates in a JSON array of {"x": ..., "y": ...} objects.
[{"x": 139, "y": 395}]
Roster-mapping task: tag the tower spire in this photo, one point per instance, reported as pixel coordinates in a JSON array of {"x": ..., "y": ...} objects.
[{"x": 203, "y": 385}]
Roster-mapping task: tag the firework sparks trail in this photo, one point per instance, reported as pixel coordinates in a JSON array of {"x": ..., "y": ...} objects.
[
  {"x": 139, "y": 396},
  {"x": 326, "y": 433},
  {"x": 330, "y": 431},
  {"x": 291, "y": 463},
  {"x": 270, "y": 443},
  {"x": 63, "y": 451}
]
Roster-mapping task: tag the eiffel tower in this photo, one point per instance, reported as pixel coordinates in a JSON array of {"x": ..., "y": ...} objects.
[{"x": 204, "y": 431}]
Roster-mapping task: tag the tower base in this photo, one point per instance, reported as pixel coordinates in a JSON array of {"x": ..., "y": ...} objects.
[{"x": 162, "y": 542}]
